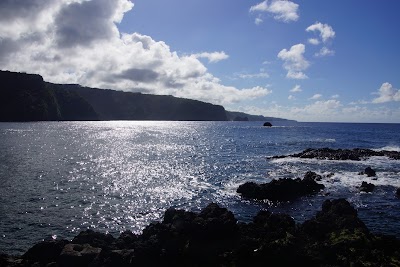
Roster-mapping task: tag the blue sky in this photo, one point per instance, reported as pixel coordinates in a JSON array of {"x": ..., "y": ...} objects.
[{"x": 306, "y": 60}]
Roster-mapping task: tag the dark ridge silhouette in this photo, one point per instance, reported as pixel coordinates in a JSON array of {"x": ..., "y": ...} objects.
[
  {"x": 26, "y": 97},
  {"x": 119, "y": 105}
]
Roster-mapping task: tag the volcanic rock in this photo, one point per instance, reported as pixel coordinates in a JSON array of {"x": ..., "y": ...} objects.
[
  {"x": 356, "y": 154},
  {"x": 369, "y": 172},
  {"x": 367, "y": 187},
  {"x": 283, "y": 189}
]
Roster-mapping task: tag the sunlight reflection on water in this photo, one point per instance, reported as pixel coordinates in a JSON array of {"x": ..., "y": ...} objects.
[{"x": 61, "y": 177}]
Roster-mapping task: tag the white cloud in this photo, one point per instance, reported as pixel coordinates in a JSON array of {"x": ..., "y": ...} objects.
[
  {"x": 261, "y": 74},
  {"x": 282, "y": 10},
  {"x": 260, "y": 7},
  {"x": 296, "y": 89},
  {"x": 77, "y": 41},
  {"x": 319, "y": 109},
  {"x": 387, "y": 93},
  {"x": 335, "y": 96},
  {"x": 291, "y": 97},
  {"x": 314, "y": 41},
  {"x": 315, "y": 97},
  {"x": 359, "y": 102},
  {"x": 212, "y": 57},
  {"x": 325, "y": 52},
  {"x": 330, "y": 110},
  {"x": 258, "y": 21},
  {"x": 325, "y": 31},
  {"x": 294, "y": 61}
]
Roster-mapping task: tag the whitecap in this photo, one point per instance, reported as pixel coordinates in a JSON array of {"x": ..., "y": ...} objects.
[{"x": 389, "y": 148}]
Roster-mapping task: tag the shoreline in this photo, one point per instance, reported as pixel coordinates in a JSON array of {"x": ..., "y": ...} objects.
[{"x": 335, "y": 236}]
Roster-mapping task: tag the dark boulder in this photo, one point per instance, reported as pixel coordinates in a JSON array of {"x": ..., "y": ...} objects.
[
  {"x": 369, "y": 172},
  {"x": 12, "y": 261},
  {"x": 44, "y": 252},
  {"x": 95, "y": 239},
  {"x": 267, "y": 124},
  {"x": 398, "y": 192},
  {"x": 216, "y": 221},
  {"x": 281, "y": 190},
  {"x": 125, "y": 240},
  {"x": 78, "y": 255},
  {"x": 336, "y": 215},
  {"x": 367, "y": 187},
  {"x": 312, "y": 176}
]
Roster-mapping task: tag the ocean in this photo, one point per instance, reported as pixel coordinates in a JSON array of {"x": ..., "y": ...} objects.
[{"x": 58, "y": 178}]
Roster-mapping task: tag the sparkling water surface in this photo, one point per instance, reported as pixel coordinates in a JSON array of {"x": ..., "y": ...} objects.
[{"x": 58, "y": 178}]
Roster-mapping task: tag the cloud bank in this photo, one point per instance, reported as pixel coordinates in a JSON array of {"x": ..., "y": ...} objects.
[{"x": 77, "y": 41}]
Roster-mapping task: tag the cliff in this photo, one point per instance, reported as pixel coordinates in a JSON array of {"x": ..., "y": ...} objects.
[{"x": 26, "y": 97}]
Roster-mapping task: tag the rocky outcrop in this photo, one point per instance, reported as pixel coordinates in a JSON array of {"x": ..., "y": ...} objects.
[
  {"x": 282, "y": 189},
  {"x": 212, "y": 237},
  {"x": 341, "y": 154},
  {"x": 369, "y": 172},
  {"x": 267, "y": 124},
  {"x": 367, "y": 187}
]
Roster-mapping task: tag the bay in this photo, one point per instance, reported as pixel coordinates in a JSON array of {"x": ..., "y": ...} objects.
[{"x": 58, "y": 178}]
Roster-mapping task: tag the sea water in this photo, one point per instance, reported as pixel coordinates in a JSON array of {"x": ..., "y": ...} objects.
[{"x": 59, "y": 178}]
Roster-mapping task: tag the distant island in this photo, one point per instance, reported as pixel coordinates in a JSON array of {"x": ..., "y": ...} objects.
[{"x": 27, "y": 97}]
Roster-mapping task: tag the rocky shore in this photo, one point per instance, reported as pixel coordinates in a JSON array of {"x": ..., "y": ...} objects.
[
  {"x": 341, "y": 154},
  {"x": 213, "y": 237}
]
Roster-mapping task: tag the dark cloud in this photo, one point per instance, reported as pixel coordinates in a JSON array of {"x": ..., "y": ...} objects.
[
  {"x": 7, "y": 47},
  {"x": 173, "y": 84},
  {"x": 13, "y": 9},
  {"x": 81, "y": 24},
  {"x": 139, "y": 75},
  {"x": 48, "y": 58}
]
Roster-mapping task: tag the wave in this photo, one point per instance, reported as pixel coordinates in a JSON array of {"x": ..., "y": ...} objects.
[{"x": 389, "y": 148}]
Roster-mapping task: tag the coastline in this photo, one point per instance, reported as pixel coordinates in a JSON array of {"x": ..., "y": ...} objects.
[{"x": 335, "y": 236}]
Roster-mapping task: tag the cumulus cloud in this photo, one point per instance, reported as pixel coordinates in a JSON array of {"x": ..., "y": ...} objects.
[
  {"x": 78, "y": 41},
  {"x": 212, "y": 57},
  {"x": 291, "y": 97},
  {"x": 325, "y": 52},
  {"x": 294, "y": 61},
  {"x": 325, "y": 31},
  {"x": 296, "y": 89},
  {"x": 281, "y": 10},
  {"x": 315, "y": 97},
  {"x": 314, "y": 41},
  {"x": 387, "y": 93},
  {"x": 83, "y": 23}
]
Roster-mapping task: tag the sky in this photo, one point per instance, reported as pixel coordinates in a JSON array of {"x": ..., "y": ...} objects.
[{"x": 307, "y": 60}]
